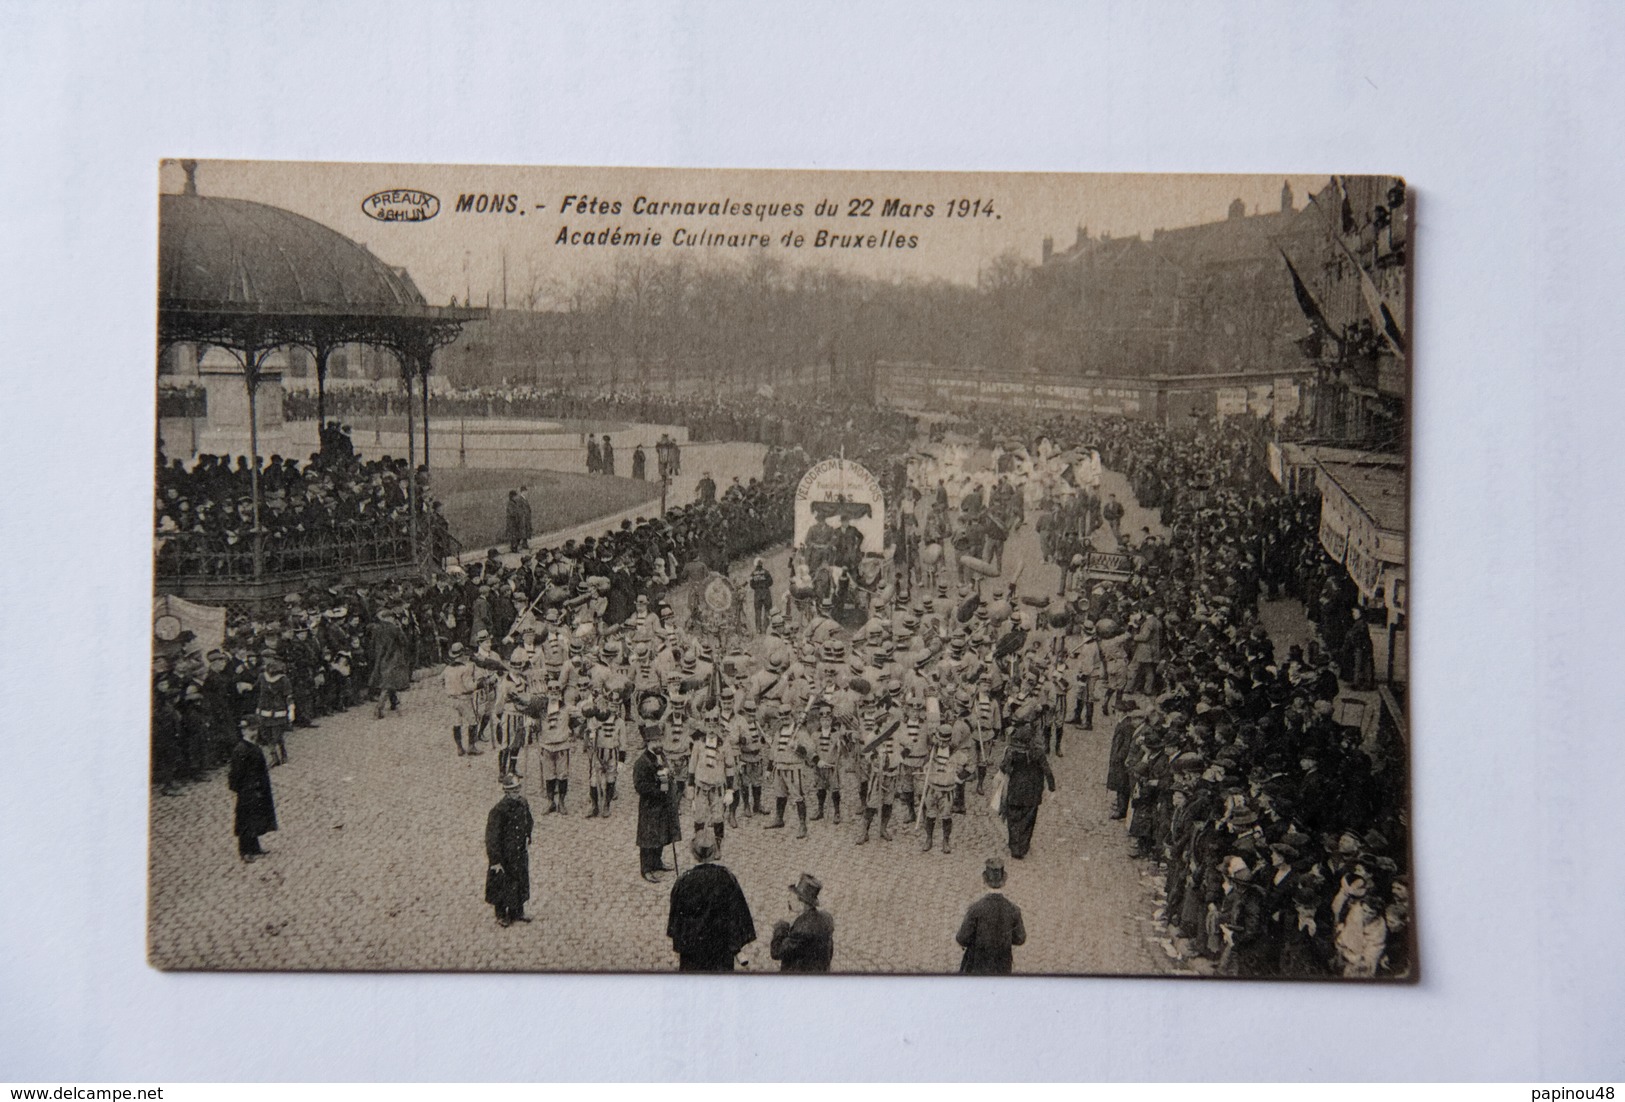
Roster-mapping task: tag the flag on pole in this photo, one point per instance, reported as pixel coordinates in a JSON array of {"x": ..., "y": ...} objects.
[
  {"x": 1382, "y": 316},
  {"x": 1306, "y": 301}
]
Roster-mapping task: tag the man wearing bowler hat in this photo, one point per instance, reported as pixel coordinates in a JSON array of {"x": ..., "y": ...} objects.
[
  {"x": 806, "y": 944},
  {"x": 991, "y": 928}
]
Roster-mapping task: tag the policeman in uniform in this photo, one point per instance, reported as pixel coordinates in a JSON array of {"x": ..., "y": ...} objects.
[{"x": 508, "y": 830}]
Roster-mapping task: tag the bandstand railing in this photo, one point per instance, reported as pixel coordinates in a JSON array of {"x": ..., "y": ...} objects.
[{"x": 211, "y": 567}]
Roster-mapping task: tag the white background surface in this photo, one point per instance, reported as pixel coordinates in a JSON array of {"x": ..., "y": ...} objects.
[{"x": 1503, "y": 116}]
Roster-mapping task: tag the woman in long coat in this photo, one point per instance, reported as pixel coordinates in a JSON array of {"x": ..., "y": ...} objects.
[
  {"x": 1027, "y": 767},
  {"x": 250, "y": 778}
]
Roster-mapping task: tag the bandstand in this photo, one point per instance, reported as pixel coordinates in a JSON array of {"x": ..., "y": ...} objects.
[{"x": 251, "y": 279}]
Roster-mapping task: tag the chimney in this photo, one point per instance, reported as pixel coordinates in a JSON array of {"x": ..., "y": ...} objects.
[
  {"x": 190, "y": 168},
  {"x": 1049, "y": 248},
  {"x": 1083, "y": 235}
]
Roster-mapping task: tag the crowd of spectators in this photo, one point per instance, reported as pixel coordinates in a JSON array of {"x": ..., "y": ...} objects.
[
  {"x": 334, "y": 512},
  {"x": 1280, "y": 833},
  {"x": 709, "y": 418},
  {"x": 322, "y": 635}
]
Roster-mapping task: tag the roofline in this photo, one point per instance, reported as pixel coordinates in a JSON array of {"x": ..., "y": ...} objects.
[{"x": 318, "y": 310}]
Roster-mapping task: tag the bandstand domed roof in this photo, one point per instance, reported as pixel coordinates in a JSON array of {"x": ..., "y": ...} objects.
[{"x": 232, "y": 254}]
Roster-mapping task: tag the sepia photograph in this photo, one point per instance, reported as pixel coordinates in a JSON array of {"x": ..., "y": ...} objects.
[{"x": 721, "y": 570}]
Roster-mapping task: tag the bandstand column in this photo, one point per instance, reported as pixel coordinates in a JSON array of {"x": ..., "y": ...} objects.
[
  {"x": 252, "y": 359},
  {"x": 407, "y": 373},
  {"x": 425, "y": 365}
]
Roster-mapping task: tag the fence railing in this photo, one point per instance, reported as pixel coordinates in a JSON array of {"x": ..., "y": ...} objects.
[{"x": 203, "y": 556}]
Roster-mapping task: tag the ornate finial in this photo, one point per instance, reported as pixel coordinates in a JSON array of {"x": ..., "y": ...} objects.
[{"x": 190, "y": 168}]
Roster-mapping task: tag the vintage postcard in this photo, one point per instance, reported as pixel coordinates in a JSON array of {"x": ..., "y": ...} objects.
[{"x": 637, "y": 570}]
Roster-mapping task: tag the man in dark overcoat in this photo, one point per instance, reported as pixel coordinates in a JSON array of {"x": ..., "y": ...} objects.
[
  {"x": 992, "y": 926},
  {"x": 515, "y": 522},
  {"x": 709, "y": 921},
  {"x": 1117, "y": 774},
  {"x": 250, "y": 778},
  {"x": 1028, "y": 771},
  {"x": 658, "y": 825},
  {"x": 391, "y": 661},
  {"x": 507, "y": 850}
]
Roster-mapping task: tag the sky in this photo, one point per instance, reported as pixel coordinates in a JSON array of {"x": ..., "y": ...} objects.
[{"x": 462, "y": 254}]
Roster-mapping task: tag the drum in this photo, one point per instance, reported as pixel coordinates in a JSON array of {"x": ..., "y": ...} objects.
[{"x": 978, "y": 566}]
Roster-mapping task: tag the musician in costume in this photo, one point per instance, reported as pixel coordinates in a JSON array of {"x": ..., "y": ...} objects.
[
  {"x": 511, "y": 707},
  {"x": 601, "y": 723},
  {"x": 914, "y": 741},
  {"x": 460, "y": 681},
  {"x": 789, "y": 750},
  {"x": 829, "y": 739},
  {"x": 749, "y": 750},
  {"x": 712, "y": 776},
  {"x": 986, "y": 722},
  {"x": 881, "y": 758},
  {"x": 557, "y": 723},
  {"x": 488, "y": 669},
  {"x": 274, "y": 706}
]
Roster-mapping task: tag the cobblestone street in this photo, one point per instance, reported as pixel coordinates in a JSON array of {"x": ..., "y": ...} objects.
[{"x": 379, "y": 863}]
